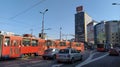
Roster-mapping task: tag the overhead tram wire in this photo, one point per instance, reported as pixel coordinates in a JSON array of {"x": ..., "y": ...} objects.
[
  {"x": 19, "y": 22},
  {"x": 27, "y": 9}
]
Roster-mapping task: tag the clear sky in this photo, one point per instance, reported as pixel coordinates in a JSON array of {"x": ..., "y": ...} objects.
[{"x": 20, "y": 16}]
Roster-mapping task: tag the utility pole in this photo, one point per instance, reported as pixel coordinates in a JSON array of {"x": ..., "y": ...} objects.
[
  {"x": 31, "y": 31},
  {"x": 42, "y": 31},
  {"x": 60, "y": 34}
]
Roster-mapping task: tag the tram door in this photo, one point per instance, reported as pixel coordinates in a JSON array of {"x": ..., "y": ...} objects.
[
  {"x": 15, "y": 49},
  {"x": 1, "y": 39}
]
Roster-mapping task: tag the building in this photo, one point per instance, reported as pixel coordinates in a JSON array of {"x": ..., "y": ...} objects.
[
  {"x": 100, "y": 33},
  {"x": 6, "y": 33},
  {"x": 113, "y": 32},
  {"x": 81, "y": 21},
  {"x": 108, "y": 33},
  {"x": 90, "y": 32}
]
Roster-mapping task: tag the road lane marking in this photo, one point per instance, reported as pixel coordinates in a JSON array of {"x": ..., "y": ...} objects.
[
  {"x": 57, "y": 65},
  {"x": 90, "y": 57},
  {"x": 89, "y": 60}
]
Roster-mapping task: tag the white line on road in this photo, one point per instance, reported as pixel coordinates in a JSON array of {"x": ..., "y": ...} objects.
[
  {"x": 89, "y": 60},
  {"x": 57, "y": 65},
  {"x": 90, "y": 57}
]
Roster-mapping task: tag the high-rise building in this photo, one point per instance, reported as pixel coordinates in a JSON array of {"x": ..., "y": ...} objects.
[
  {"x": 81, "y": 21},
  {"x": 90, "y": 32}
]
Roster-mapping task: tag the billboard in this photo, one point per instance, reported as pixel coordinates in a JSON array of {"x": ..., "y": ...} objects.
[{"x": 79, "y": 8}]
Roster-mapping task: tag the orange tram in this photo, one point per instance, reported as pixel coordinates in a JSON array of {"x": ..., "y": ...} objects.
[{"x": 12, "y": 46}]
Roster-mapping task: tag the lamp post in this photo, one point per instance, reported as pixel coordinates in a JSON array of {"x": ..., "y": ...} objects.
[
  {"x": 60, "y": 34},
  {"x": 115, "y": 3},
  {"x": 42, "y": 31}
]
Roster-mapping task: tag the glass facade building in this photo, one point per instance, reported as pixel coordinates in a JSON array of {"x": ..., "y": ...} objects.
[{"x": 107, "y": 33}]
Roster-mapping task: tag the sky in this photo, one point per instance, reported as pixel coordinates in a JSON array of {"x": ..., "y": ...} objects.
[{"x": 23, "y": 16}]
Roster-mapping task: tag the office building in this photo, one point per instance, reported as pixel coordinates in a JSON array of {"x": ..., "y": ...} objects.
[
  {"x": 108, "y": 33},
  {"x": 81, "y": 21},
  {"x": 100, "y": 33}
]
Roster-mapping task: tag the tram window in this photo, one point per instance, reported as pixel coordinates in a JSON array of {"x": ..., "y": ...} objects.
[
  {"x": 62, "y": 44},
  {"x": 7, "y": 41},
  {"x": 15, "y": 42},
  {"x": 34, "y": 43},
  {"x": 26, "y": 42},
  {"x": 48, "y": 43},
  {"x": 78, "y": 45}
]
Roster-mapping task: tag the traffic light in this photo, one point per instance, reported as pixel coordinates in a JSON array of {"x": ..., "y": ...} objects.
[{"x": 40, "y": 35}]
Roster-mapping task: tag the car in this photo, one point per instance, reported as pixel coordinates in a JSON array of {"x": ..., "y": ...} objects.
[
  {"x": 50, "y": 53},
  {"x": 68, "y": 55},
  {"x": 113, "y": 51}
]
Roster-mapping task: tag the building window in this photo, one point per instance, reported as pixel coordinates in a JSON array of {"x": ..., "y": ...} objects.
[{"x": 113, "y": 41}]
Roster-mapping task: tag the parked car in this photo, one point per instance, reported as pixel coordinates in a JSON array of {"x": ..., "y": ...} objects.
[
  {"x": 113, "y": 51},
  {"x": 68, "y": 55},
  {"x": 50, "y": 53}
]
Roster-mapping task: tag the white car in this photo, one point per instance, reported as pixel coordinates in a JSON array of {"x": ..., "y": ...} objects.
[
  {"x": 50, "y": 53},
  {"x": 68, "y": 55}
]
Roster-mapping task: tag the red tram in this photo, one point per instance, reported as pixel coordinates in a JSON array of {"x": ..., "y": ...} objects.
[
  {"x": 12, "y": 46},
  {"x": 78, "y": 45}
]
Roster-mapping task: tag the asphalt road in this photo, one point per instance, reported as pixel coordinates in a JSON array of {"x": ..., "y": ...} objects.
[
  {"x": 38, "y": 62},
  {"x": 107, "y": 61},
  {"x": 90, "y": 59}
]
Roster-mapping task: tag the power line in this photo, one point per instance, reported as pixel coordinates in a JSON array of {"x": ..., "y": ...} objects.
[
  {"x": 27, "y": 9},
  {"x": 23, "y": 24}
]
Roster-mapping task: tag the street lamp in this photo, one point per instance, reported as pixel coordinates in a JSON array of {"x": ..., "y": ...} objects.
[
  {"x": 42, "y": 31},
  {"x": 115, "y": 3},
  {"x": 60, "y": 34}
]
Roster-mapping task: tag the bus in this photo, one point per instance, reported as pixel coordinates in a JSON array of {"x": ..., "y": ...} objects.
[{"x": 100, "y": 47}]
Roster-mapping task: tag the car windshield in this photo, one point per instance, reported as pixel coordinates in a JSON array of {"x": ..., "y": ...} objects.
[
  {"x": 64, "y": 51},
  {"x": 48, "y": 50}
]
